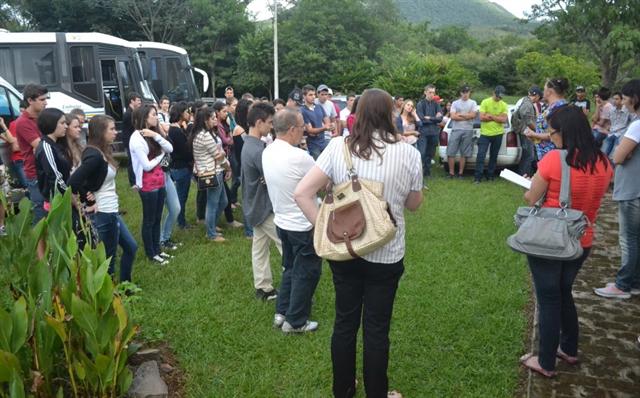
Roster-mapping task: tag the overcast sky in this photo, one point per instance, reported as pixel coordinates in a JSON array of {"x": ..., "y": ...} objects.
[{"x": 516, "y": 7}]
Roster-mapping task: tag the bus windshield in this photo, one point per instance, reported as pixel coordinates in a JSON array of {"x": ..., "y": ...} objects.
[
  {"x": 180, "y": 85},
  {"x": 145, "y": 90}
]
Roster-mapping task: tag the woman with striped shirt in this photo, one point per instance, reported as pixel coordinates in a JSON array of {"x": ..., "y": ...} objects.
[
  {"x": 209, "y": 157},
  {"x": 366, "y": 287}
]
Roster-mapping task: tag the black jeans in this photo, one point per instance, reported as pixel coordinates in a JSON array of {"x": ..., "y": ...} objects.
[
  {"x": 557, "y": 315},
  {"x": 201, "y": 204},
  {"x": 130, "y": 174},
  {"x": 491, "y": 144},
  {"x": 427, "y": 145},
  {"x": 302, "y": 269},
  {"x": 152, "y": 204},
  {"x": 363, "y": 290},
  {"x": 228, "y": 211}
]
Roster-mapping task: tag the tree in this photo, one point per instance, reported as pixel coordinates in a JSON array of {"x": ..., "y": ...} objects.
[
  {"x": 452, "y": 39},
  {"x": 157, "y": 19},
  {"x": 607, "y": 29},
  {"x": 536, "y": 67},
  {"x": 251, "y": 75}
]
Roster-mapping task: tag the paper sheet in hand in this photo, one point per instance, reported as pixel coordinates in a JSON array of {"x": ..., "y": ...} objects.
[{"x": 515, "y": 178}]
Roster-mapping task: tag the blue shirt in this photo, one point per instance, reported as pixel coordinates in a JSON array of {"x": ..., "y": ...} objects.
[{"x": 315, "y": 117}]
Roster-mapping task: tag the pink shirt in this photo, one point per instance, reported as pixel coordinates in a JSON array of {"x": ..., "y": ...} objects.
[{"x": 152, "y": 180}]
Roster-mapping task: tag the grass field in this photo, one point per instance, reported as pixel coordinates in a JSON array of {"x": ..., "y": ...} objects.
[{"x": 458, "y": 325}]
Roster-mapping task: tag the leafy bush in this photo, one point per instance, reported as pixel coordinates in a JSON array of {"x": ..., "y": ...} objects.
[
  {"x": 417, "y": 71},
  {"x": 536, "y": 68},
  {"x": 66, "y": 332}
]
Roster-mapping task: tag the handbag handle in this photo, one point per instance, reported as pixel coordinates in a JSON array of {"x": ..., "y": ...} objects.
[
  {"x": 565, "y": 184},
  {"x": 351, "y": 171}
]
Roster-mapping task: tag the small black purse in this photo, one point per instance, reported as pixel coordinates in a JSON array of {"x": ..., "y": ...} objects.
[{"x": 207, "y": 180}]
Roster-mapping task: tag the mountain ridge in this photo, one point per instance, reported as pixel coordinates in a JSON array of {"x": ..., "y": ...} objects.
[{"x": 470, "y": 13}]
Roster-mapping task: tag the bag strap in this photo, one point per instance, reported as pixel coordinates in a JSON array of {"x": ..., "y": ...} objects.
[
  {"x": 351, "y": 171},
  {"x": 565, "y": 183}
]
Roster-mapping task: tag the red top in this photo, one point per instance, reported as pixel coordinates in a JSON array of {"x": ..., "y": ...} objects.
[
  {"x": 15, "y": 155},
  {"x": 152, "y": 180},
  {"x": 27, "y": 131},
  {"x": 587, "y": 189},
  {"x": 351, "y": 120}
]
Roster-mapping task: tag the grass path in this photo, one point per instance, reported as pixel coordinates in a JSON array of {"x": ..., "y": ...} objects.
[{"x": 458, "y": 323}]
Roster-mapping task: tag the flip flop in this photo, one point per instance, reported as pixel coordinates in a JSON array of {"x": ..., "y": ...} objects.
[
  {"x": 525, "y": 361},
  {"x": 394, "y": 394},
  {"x": 567, "y": 358}
]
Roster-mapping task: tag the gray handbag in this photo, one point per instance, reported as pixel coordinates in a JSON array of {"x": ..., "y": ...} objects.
[{"x": 549, "y": 232}]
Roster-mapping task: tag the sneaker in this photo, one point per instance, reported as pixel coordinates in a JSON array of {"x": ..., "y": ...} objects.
[
  {"x": 635, "y": 292},
  {"x": 169, "y": 245},
  {"x": 611, "y": 291},
  {"x": 310, "y": 326},
  {"x": 476, "y": 181},
  {"x": 450, "y": 176},
  {"x": 261, "y": 294},
  {"x": 236, "y": 224},
  {"x": 165, "y": 255},
  {"x": 3, "y": 230},
  {"x": 278, "y": 320},
  {"x": 159, "y": 260},
  {"x": 218, "y": 239},
  {"x": 458, "y": 175}
]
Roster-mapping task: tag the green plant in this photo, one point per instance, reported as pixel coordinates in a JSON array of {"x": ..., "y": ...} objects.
[{"x": 68, "y": 331}]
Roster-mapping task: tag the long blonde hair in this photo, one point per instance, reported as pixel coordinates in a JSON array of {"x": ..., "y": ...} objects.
[
  {"x": 72, "y": 147},
  {"x": 97, "y": 128}
]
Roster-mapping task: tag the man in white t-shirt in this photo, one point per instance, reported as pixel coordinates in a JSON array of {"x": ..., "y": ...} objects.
[
  {"x": 344, "y": 114},
  {"x": 284, "y": 165},
  {"x": 329, "y": 110}
]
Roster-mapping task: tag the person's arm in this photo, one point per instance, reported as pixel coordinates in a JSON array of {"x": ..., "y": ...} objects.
[
  {"x": 538, "y": 188},
  {"x": 438, "y": 117},
  {"x": 624, "y": 150},
  {"x": 457, "y": 117},
  {"x": 486, "y": 117},
  {"x": 399, "y": 125},
  {"x": 137, "y": 152},
  {"x": 501, "y": 118},
  {"x": 88, "y": 168},
  {"x": 164, "y": 144},
  {"x": 305, "y": 193},
  {"x": 414, "y": 200},
  {"x": 420, "y": 110}
]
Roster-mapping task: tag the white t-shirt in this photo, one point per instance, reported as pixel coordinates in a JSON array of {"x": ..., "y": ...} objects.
[
  {"x": 330, "y": 112},
  {"x": 106, "y": 196},
  {"x": 284, "y": 166},
  {"x": 344, "y": 114},
  {"x": 633, "y": 131},
  {"x": 400, "y": 171}
]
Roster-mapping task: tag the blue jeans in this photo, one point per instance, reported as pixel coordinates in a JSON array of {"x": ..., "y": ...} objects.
[
  {"x": 629, "y": 226},
  {"x": 302, "y": 269},
  {"x": 609, "y": 145},
  {"x": 427, "y": 145},
  {"x": 173, "y": 208},
  {"x": 37, "y": 200},
  {"x": 599, "y": 138},
  {"x": 17, "y": 172},
  {"x": 557, "y": 315},
  {"x": 216, "y": 202},
  {"x": 113, "y": 232},
  {"x": 484, "y": 142},
  {"x": 316, "y": 147},
  {"x": 182, "y": 180},
  {"x": 152, "y": 203},
  {"x": 528, "y": 156}
]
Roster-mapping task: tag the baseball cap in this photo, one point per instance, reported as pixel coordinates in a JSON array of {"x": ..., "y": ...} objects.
[
  {"x": 296, "y": 96},
  {"x": 535, "y": 90},
  {"x": 499, "y": 91},
  {"x": 330, "y": 92},
  {"x": 580, "y": 88},
  {"x": 465, "y": 89},
  {"x": 322, "y": 87}
]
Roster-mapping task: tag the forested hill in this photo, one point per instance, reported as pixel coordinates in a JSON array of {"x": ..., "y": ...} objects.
[{"x": 457, "y": 12}]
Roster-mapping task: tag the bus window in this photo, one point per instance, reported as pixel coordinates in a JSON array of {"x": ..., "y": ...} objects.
[
  {"x": 112, "y": 97},
  {"x": 177, "y": 83},
  {"x": 125, "y": 77},
  {"x": 83, "y": 72},
  {"x": 6, "y": 67},
  {"x": 34, "y": 65},
  {"x": 155, "y": 75}
]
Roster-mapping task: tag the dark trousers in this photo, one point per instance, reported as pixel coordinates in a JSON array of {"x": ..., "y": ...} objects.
[
  {"x": 228, "y": 211},
  {"x": 152, "y": 204},
  {"x": 427, "y": 145},
  {"x": 557, "y": 315},
  {"x": 113, "y": 232},
  {"x": 201, "y": 204},
  {"x": 302, "y": 268},
  {"x": 130, "y": 174},
  {"x": 491, "y": 143},
  {"x": 235, "y": 181},
  {"x": 528, "y": 156},
  {"x": 363, "y": 290}
]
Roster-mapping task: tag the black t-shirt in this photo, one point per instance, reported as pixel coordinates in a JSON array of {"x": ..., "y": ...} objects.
[{"x": 583, "y": 103}]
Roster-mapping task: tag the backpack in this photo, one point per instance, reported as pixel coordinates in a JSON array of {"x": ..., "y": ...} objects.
[{"x": 517, "y": 124}]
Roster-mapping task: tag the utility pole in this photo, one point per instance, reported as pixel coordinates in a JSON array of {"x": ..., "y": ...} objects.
[{"x": 276, "y": 85}]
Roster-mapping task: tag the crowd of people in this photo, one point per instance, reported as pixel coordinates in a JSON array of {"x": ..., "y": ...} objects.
[{"x": 283, "y": 154}]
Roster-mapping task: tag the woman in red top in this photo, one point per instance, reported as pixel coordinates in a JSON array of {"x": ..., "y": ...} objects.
[{"x": 591, "y": 173}]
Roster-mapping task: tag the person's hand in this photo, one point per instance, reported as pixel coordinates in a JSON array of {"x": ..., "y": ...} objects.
[
  {"x": 227, "y": 175},
  {"x": 91, "y": 197},
  {"x": 3, "y": 126},
  {"x": 91, "y": 209},
  {"x": 149, "y": 133},
  {"x": 219, "y": 156},
  {"x": 439, "y": 114}
]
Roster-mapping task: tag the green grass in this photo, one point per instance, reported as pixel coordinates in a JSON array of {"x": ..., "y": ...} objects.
[{"x": 458, "y": 323}]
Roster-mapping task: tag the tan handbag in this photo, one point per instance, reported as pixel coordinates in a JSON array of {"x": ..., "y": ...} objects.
[{"x": 354, "y": 219}]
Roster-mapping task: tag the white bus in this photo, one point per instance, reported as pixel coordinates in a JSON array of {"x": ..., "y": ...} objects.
[
  {"x": 168, "y": 71},
  {"x": 91, "y": 71}
]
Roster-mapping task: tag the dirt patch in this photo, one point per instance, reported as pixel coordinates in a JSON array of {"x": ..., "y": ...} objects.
[{"x": 170, "y": 369}]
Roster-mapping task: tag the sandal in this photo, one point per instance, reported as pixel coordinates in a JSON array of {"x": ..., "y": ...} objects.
[
  {"x": 531, "y": 362},
  {"x": 567, "y": 358},
  {"x": 394, "y": 394}
]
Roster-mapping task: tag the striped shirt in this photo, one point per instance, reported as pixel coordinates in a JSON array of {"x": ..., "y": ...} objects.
[
  {"x": 205, "y": 150},
  {"x": 400, "y": 170}
]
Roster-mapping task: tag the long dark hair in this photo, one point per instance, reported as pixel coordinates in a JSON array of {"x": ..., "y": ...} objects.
[
  {"x": 139, "y": 119},
  {"x": 374, "y": 113},
  {"x": 572, "y": 124},
  {"x": 98, "y": 126},
  {"x": 176, "y": 111},
  {"x": 48, "y": 120},
  {"x": 632, "y": 90},
  {"x": 199, "y": 124},
  {"x": 242, "y": 110}
]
